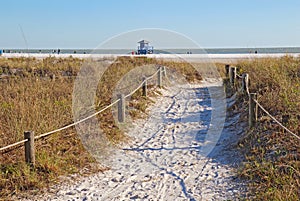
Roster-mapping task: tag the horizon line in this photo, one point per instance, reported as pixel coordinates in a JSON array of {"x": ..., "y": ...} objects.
[{"x": 68, "y": 48}]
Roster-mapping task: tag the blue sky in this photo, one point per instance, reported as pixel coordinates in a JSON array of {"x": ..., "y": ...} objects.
[{"x": 211, "y": 23}]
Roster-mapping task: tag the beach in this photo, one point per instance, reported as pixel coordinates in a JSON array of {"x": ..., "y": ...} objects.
[
  {"x": 205, "y": 58},
  {"x": 166, "y": 159}
]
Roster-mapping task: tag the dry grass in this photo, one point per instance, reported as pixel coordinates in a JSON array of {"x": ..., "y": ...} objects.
[
  {"x": 34, "y": 66},
  {"x": 31, "y": 100},
  {"x": 273, "y": 156}
]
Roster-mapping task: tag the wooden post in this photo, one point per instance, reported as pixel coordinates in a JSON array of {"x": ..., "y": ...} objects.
[
  {"x": 245, "y": 83},
  {"x": 52, "y": 77},
  {"x": 227, "y": 69},
  {"x": 252, "y": 110},
  {"x": 285, "y": 119},
  {"x": 232, "y": 74},
  {"x": 159, "y": 77},
  {"x": 29, "y": 148},
  {"x": 164, "y": 71},
  {"x": 121, "y": 108},
  {"x": 145, "y": 86},
  {"x": 235, "y": 77}
]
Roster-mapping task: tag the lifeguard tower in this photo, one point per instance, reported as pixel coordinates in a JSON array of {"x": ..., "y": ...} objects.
[{"x": 144, "y": 47}]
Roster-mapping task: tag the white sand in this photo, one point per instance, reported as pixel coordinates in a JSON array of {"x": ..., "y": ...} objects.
[
  {"x": 167, "y": 159},
  {"x": 188, "y": 57}
]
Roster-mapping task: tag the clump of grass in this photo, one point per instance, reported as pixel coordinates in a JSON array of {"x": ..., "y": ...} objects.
[
  {"x": 41, "y": 106},
  {"x": 273, "y": 156},
  {"x": 187, "y": 70},
  {"x": 48, "y": 63},
  {"x": 31, "y": 101}
]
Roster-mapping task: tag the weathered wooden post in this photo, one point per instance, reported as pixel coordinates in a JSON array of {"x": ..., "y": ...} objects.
[
  {"x": 29, "y": 148},
  {"x": 121, "y": 108},
  {"x": 227, "y": 69},
  {"x": 285, "y": 119},
  {"x": 252, "y": 110},
  {"x": 52, "y": 77},
  {"x": 232, "y": 74},
  {"x": 164, "y": 72},
  {"x": 245, "y": 83},
  {"x": 159, "y": 77},
  {"x": 145, "y": 86}
]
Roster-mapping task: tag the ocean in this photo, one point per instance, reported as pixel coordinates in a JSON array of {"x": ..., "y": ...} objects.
[{"x": 162, "y": 51}]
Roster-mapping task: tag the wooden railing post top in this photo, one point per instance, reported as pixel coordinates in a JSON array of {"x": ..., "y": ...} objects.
[
  {"x": 227, "y": 68},
  {"x": 120, "y": 95},
  {"x": 28, "y": 134},
  {"x": 245, "y": 75},
  {"x": 252, "y": 96}
]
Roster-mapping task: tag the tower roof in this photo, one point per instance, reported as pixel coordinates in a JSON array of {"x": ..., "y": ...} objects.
[{"x": 143, "y": 41}]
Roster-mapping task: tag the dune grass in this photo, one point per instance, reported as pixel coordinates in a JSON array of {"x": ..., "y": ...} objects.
[
  {"x": 273, "y": 155},
  {"x": 30, "y": 99}
]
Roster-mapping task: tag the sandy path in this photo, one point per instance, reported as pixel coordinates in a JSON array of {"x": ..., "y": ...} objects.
[{"x": 167, "y": 160}]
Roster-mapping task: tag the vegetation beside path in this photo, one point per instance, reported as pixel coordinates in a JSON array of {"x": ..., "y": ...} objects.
[
  {"x": 36, "y": 94},
  {"x": 273, "y": 155}
]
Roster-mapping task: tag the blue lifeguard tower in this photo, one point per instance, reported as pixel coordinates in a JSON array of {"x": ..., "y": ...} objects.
[{"x": 144, "y": 47}]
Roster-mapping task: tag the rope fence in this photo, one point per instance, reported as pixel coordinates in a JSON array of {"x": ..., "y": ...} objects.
[
  {"x": 77, "y": 122},
  {"x": 253, "y": 102},
  {"x": 13, "y": 145},
  {"x": 29, "y": 137},
  {"x": 274, "y": 119},
  {"x": 136, "y": 89}
]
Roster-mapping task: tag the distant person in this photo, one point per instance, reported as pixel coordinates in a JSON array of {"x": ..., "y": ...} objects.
[
  {"x": 58, "y": 51},
  {"x": 74, "y": 51},
  {"x": 255, "y": 51}
]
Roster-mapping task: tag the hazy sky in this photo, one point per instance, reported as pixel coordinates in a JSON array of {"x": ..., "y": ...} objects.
[{"x": 211, "y": 23}]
